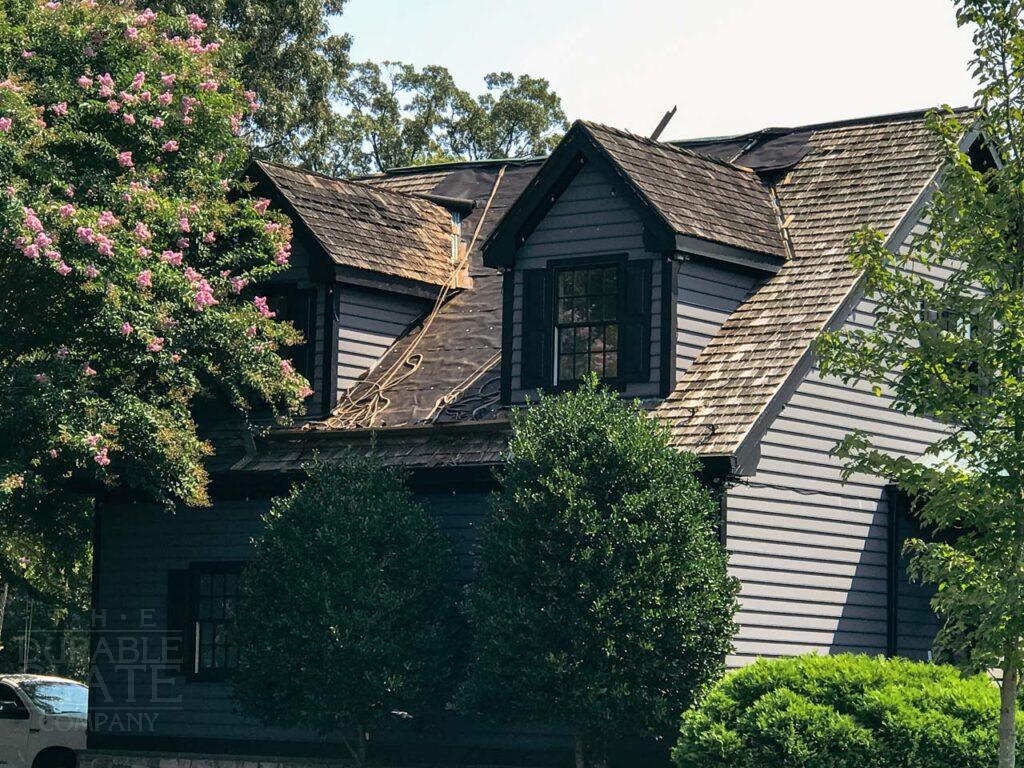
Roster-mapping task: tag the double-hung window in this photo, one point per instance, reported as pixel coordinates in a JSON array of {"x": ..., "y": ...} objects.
[
  {"x": 587, "y": 323},
  {"x": 216, "y": 596}
]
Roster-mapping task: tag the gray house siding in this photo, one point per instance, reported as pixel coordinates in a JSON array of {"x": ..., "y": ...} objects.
[
  {"x": 706, "y": 295},
  {"x": 139, "y": 546},
  {"x": 812, "y": 550},
  {"x": 589, "y": 219},
  {"x": 369, "y": 322}
]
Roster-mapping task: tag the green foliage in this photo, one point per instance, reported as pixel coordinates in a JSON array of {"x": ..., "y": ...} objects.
[
  {"x": 602, "y": 600},
  {"x": 349, "y": 611},
  {"x": 842, "y": 712},
  {"x": 400, "y": 116},
  {"x": 124, "y": 251},
  {"x": 284, "y": 51},
  {"x": 953, "y": 350}
]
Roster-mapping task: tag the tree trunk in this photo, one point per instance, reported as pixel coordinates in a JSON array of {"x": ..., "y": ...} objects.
[
  {"x": 1008, "y": 714},
  {"x": 591, "y": 752},
  {"x": 581, "y": 761}
]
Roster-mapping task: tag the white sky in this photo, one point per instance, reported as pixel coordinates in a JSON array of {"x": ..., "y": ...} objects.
[{"x": 730, "y": 65}]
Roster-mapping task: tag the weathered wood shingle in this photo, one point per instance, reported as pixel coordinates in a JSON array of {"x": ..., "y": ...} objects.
[{"x": 372, "y": 229}]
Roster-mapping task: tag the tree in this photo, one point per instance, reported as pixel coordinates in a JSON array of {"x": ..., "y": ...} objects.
[
  {"x": 402, "y": 116},
  {"x": 285, "y": 53},
  {"x": 125, "y": 250},
  {"x": 842, "y": 712},
  {"x": 951, "y": 350},
  {"x": 602, "y": 600},
  {"x": 349, "y": 610}
]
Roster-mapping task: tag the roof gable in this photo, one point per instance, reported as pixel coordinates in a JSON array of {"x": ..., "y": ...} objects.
[
  {"x": 362, "y": 228},
  {"x": 678, "y": 193}
]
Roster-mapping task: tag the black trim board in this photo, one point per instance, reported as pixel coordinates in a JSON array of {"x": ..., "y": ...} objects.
[
  {"x": 508, "y": 291},
  {"x": 669, "y": 323}
]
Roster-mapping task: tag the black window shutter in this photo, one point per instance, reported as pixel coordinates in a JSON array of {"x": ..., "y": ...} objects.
[
  {"x": 537, "y": 330},
  {"x": 179, "y": 619},
  {"x": 635, "y": 326}
]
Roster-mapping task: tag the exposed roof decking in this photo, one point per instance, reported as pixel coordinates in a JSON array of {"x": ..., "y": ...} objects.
[{"x": 370, "y": 229}]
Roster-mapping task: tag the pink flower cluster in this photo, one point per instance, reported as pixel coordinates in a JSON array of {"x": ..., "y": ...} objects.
[{"x": 261, "y": 305}]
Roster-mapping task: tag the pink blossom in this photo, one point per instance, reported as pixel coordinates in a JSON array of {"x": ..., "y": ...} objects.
[
  {"x": 305, "y": 392},
  {"x": 89, "y": 52},
  {"x": 32, "y": 221},
  {"x": 156, "y": 344},
  {"x": 60, "y": 109},
  {"x": 42, "y": 378},
  {"x": 64, "y": 269},
  {"x": 107, "y": 219},
  {"x": 261, "y": 305},
  {"x": 186, "y": 120},
  {"x": 282, "y": 257},
  {"x": 43, "y": 240},
  {"x": 142, "y": 232},
  {"x": 146, "y": 96},
  {"x": 27, "y": 54},
  {"x": 261, "y": 205},
  {"x": 104, "y": 245},
  {"x": 158, "y": 122},
  {"x": 31, "y": 251},
  {"x": 131, "y": 33},
  {"x": 208, "y": 85},
  {"x": 168, "y": 80},
  {"x": 271, "y": 227},
  {"x": 54, "y": 453},
  {"x": 93, "y": 440},
  {"x": 5, "y": 124},
  {"x": 196, "y": 22},
  {"x": 144, "y": 18},
  {"x": 173, "y": 258},
  {"x": 128, "y": 118},
  {"x": 165, "y": 98},
  {"x": 192, "y": 275},
  {"x": 126, "y": 328},
  {"x": 52, "y": 255},
  {"x": 91, "y": 271},
  {"x": 128, "y": 98},
  {"x": 204, "y": 295},
  {"x": 85, "y": 235},
  {"x": 143, "y": 251},
  {"x": 67, "y": 210},
  {"x": 183, "y": 224},
  {"x": 88, "y": 370},
  {"x": 138, "y": 81},
  {"x": 145, "y": 279},
  {"x": 286, "y": 368},
  {"x": 69, "y": 191},
  {"x": 238, "y": 283},
  {"x": 250, "y": 331},
  {"x": 53, "y": 5},
  {"x": 182, "y": 242},
  {"x": 113, "y": 106},
  {"x": 39, "y": 123},
  {"x": 124, "y": 159},
  {"x": 209, "y": 237},
  {"x": 175, "y": 357},
  {"x": 101, "y": 457},
  {"x": 170, "y": 146},
  {"x": 85, "y": 81},
  {"x": 9, "y": 85},
  {"x": 236, "y": 124},
  {"x": 62, "y": 352}
]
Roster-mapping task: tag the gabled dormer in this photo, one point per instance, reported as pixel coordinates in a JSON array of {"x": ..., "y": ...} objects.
[{"x": 622, "y": 257}]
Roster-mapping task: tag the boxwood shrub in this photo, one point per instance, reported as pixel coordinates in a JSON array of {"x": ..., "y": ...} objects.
[{"x": 843, "y": 712}]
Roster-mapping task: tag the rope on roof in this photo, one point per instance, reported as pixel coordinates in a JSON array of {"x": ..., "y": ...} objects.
[{"x": 361, "y": 406}]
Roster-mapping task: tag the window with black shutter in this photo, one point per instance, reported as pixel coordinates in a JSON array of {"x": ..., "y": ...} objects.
[
  {"x": 587, "y": 323},
  {"x": 202, "y": 602},
  {"x": 296, "y": 306}
]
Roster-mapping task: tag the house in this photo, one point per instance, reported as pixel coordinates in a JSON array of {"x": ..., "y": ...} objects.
[{"x": 694, "y": 275}]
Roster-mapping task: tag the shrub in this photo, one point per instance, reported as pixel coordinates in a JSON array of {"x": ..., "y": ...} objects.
[
  {"x": 843, "y": 712},
  {"x": 602, "y": 601},
  {"x": 349, "y": 609}
]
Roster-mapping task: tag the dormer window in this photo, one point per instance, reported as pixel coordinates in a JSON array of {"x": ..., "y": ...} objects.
[{"x": 587, "y": 323}]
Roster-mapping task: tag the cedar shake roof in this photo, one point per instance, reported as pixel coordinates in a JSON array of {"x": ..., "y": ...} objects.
[
  {"x": 829, "y": 181},
  {"x": 850, "y": 176},
  {"x": 697, "y": 195},
  {"x": 371, "y": 229}
]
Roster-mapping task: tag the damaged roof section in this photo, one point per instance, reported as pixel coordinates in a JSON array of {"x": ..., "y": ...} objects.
[{"x": 369, "y": 229}]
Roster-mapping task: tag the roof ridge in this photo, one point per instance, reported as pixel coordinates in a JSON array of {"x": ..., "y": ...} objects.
[
  {"x": 406, "y": 196},
  {"x": 671, "y": 147}
]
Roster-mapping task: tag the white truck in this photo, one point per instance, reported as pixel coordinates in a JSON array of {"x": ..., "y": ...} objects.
[{"x": 42, "y": 721}]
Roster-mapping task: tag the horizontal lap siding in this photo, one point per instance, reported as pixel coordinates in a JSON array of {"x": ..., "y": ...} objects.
[
  {"x": 810, "y": 549},
  {"x": 706, "y": 295},
  {"x": 139, "y": 544},
  {"x": 589, "y": 219},
  {"x": 369, "y": 322}
]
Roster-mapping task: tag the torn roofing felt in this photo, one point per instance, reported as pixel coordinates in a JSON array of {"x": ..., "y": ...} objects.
[
  {"x": 844, "y": 176},
  {"x": 370, "y": 229}
]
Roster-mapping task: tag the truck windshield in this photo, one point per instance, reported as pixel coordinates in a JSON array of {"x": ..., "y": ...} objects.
[{"x": 57, "y": 698}]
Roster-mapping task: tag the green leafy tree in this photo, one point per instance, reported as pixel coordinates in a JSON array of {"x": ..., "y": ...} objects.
[
  {"x": 124, "y": 253},
  {"x": 402, "y": 116},
  {"x": 285, "y": 52},
  {"x": 842, "y": 712},
  {"x": 602, "y": 600},
  {"x": 349, "y": 611},
  {"x": 948, "y": 344}
]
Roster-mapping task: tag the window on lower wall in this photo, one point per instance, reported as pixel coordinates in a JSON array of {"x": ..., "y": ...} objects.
[
  {"x": 216, "y": 595},
  {"x": 587, "y": 323}
]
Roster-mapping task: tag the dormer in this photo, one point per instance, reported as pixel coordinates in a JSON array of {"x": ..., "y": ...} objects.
[
  {"x": 623, "y": 256},
  {"x": 367, "y": 265}
]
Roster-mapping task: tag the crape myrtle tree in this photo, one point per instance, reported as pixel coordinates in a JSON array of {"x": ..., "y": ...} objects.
[
  {"x": 349, "y": 611},
  {"x": 953, "y": 350},
  {"x": 602, "y": 601},
  {"x": 125, "y": 255}
]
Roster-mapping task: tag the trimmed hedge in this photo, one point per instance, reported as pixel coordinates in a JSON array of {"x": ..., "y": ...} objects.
[{"x": 843, "y": 712}]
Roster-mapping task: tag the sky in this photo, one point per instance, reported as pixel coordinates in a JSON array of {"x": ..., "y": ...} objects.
[{"x": 731, "y": 66}]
